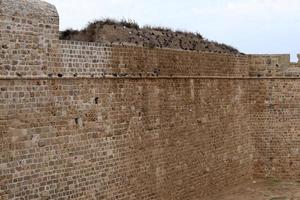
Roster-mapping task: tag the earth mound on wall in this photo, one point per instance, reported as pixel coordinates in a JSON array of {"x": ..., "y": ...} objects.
[{"x": 129, "y": 32}]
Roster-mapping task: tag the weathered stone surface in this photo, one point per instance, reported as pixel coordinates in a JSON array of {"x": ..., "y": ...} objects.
[{"x": 91, "y": 121}]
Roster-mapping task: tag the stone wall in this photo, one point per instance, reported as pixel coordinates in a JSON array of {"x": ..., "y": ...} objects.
[
  {"x": 276, "y": 123},
  {"x": 275, "y": 117},
  {"x": 133, "y": 138},
  {"x": 93, "y": 121}
]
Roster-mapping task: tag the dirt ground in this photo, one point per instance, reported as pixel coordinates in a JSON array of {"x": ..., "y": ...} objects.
[{"x": 263, "y": 190}]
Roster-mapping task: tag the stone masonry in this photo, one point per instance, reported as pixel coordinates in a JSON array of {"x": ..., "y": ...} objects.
[{"x": 91, "y": 121}]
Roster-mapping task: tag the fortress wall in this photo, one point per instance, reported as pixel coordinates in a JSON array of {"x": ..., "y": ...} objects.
[
  {"x": 135, "y": 139},
  {"x": 274, "y": 102},
  {"x": 94, "y": 121},
  {"x": 276, "y": 124},
  {"x": 92, "y": 60},
  {"x": 84, "y": 121},
  {"x": 98, "y": 135}
]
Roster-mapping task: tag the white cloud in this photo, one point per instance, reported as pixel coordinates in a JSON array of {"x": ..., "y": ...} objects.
[
  {"x": 266, "y": 5},
  {"x": 265, "y": 9}
]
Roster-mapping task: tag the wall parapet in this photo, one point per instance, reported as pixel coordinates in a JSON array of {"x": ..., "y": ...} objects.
[
  {"x": 273, "y": 65},
  {"x": 31, "y": 48}
]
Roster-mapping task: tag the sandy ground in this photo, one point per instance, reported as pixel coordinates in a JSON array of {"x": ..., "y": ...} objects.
[{"x": 263, "y": 190}]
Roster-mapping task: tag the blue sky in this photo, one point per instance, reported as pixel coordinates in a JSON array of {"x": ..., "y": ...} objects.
[{"x": 252, "y": 26}]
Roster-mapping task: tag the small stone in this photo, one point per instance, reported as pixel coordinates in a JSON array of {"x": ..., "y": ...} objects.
[
  {"x": 41, "y": 143},
  {"x": 7, "y": 67}
]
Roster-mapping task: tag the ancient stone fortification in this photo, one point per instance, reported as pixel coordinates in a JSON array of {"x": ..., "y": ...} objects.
[{"x": 91, "y": 121}]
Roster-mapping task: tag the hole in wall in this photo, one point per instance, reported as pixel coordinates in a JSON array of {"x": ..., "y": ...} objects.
[
  {"x": 96, "y": 100},
  {"x": 76, "y": 120}
]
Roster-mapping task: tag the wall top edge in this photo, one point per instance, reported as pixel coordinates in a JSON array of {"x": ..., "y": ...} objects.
[{"x": 133, "y": 46}]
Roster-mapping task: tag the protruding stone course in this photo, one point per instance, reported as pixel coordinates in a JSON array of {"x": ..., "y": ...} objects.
[{"x": 93, "y": 121}]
